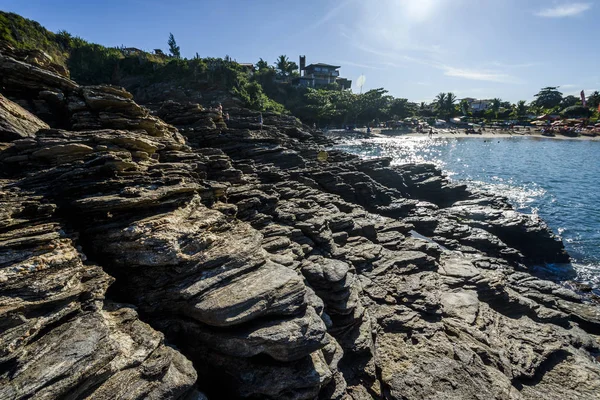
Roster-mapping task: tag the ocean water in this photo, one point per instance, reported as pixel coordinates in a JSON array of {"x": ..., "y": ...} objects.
[{"x": 559, "y": 180}]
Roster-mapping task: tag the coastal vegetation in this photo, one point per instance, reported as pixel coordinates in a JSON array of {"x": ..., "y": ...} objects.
[
  {"x": 270, "y": 87},
  {"x": 90, "y": 63},
  {"x": 173, "y": 48},
  {"x": 153, "y": 248}
]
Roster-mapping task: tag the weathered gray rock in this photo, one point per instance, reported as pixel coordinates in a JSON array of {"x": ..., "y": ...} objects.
[
  {"x": 278, "y": 275},
  {"x": 58, "y": 338},
  {"x": 16, "y": 122}
]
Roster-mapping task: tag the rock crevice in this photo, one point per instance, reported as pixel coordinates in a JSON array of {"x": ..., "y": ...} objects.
[{"x": 275, "y": 274}]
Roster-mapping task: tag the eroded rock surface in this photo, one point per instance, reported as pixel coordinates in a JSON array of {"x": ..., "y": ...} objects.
[{"x": 278, "y": 276}]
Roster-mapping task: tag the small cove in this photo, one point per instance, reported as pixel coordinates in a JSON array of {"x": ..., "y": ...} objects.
[{"x": 555, "y": 179}]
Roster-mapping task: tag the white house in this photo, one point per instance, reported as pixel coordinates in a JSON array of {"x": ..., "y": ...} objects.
[{"x": 477, "y": 104}]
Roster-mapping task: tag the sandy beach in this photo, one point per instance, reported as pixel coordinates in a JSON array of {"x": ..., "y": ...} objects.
[{"x": 488, "y": 134}]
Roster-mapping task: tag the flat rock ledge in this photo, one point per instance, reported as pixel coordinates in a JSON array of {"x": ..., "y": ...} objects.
[{"x": 165, "y": 253}]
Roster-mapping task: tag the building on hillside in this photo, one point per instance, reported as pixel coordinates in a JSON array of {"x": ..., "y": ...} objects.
[
  {"x": 130, "y": 51},
  {"x": 319, "y": 75},
  {"x": 344, "y": 83},
  {"x": 159, "y": 53},
  {"x": 248, "y": 66},
  {"x": 477, "y": 105}
]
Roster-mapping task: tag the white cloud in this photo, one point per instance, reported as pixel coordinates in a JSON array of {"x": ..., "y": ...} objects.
[
  {"x": 397, "y": 33},
  {"x": 576, "y": 92},
  {"x": 398, "y": 60},
  {"x": 478, "y": 75},
  {"x": 366, "y": 66},
  {"x": 329, "y": 15},
  {"x": 564, "y": 10},
  {"x": 517, "y": 65}
]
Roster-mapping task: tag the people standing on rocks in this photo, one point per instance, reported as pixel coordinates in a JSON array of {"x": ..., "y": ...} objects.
[
  {"x": 220, "y": 109},
  {"x": 226, "y": 117},
  {"x": 260, "y": 121}
]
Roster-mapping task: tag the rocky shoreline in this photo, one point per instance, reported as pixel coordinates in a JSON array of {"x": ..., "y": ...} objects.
[{"x": 162, "y": 252}]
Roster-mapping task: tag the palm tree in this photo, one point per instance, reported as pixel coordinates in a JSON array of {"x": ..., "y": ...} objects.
[
  {"x": 495, "y": 106},
  {"x": 424, "y": 110},
  {"x": 262, "y": 64},
  {"x": 450, "y": 100},
  {"x": 285, "y": 67},
  {"x": 594, "y": 100},
  {"x": 444, "y": 104},
  {"x": 282, "y": 65},
  {"x": 440, "y": 100},
  {"x": 465, "y": 107},
  {"x": 521, "y": 109}
]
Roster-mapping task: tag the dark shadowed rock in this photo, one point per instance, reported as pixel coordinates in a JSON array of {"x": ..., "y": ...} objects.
[
  {"x": 278, "y": 274},
  {"x": 16, "y": 122}
]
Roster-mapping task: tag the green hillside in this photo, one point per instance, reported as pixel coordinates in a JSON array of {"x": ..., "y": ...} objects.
[{"x": 90, "y": 63}]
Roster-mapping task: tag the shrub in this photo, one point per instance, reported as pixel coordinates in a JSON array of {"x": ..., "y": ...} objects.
[{"x": 576, "y": 112}]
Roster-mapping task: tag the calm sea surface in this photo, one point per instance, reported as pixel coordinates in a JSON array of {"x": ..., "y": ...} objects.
[{"x": 556, "y": 179}]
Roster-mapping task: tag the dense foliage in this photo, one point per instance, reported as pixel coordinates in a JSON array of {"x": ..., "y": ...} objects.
[
  {"x": 173, "y": 48},
  {"x": 576, "y": 112},
  {"x": 22, "y": 33},
  {"x": 548, "y": 97},
  {"x": 269, "y": 87},
  {"x": 91, "y": 63}
]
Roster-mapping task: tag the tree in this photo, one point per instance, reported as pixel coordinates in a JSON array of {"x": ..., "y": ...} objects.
[
  {"x": 576, "y": 112},
  {"x": 425, "y": 110},
  {"x": 464, "y": 107},
  {"x": 262, "y": 65},
  {"x": 371, "y": 105},
  {"x": 64, "y": 38},
  {"x": 449, "y": 108},
  {"x": 282, "y": 64},
  {"x": 548, "y": 97},
  {"x": 173, "y": 48},
  {"x": 440, "y": 101},
  {"x": 320, "y": 106},
  {"x": 520, "y": 109},
  {"x": 285, "y": 67},
  {"x": 495, "y": 106},
  {"x": 593, "y": 100},
  {"x": 401, "y": 108},
  {"x": 568, "y": 101},
  {"x": 444, "y": 104}
]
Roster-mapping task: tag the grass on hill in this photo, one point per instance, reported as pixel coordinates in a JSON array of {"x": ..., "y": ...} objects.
[{"x": 91, "y": 63}]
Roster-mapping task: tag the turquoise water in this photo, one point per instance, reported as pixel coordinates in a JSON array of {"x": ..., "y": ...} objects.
[{"x": 556, "y": 179}]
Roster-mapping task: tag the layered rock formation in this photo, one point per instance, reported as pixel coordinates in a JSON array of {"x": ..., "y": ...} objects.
[{"x": 276, "y": 275}]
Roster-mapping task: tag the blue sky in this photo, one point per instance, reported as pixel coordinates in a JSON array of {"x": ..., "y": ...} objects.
[{"x": 413, "y": 48}]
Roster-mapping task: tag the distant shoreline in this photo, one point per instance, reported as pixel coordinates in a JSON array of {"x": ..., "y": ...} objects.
[{"x": 488, "y": 134}]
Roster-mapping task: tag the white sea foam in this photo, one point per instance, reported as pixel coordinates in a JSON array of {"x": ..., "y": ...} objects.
[{"x": 537, "y": 178}]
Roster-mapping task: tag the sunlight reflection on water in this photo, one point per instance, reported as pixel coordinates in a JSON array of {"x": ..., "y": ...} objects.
[{"x": 537, "y": 177}]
